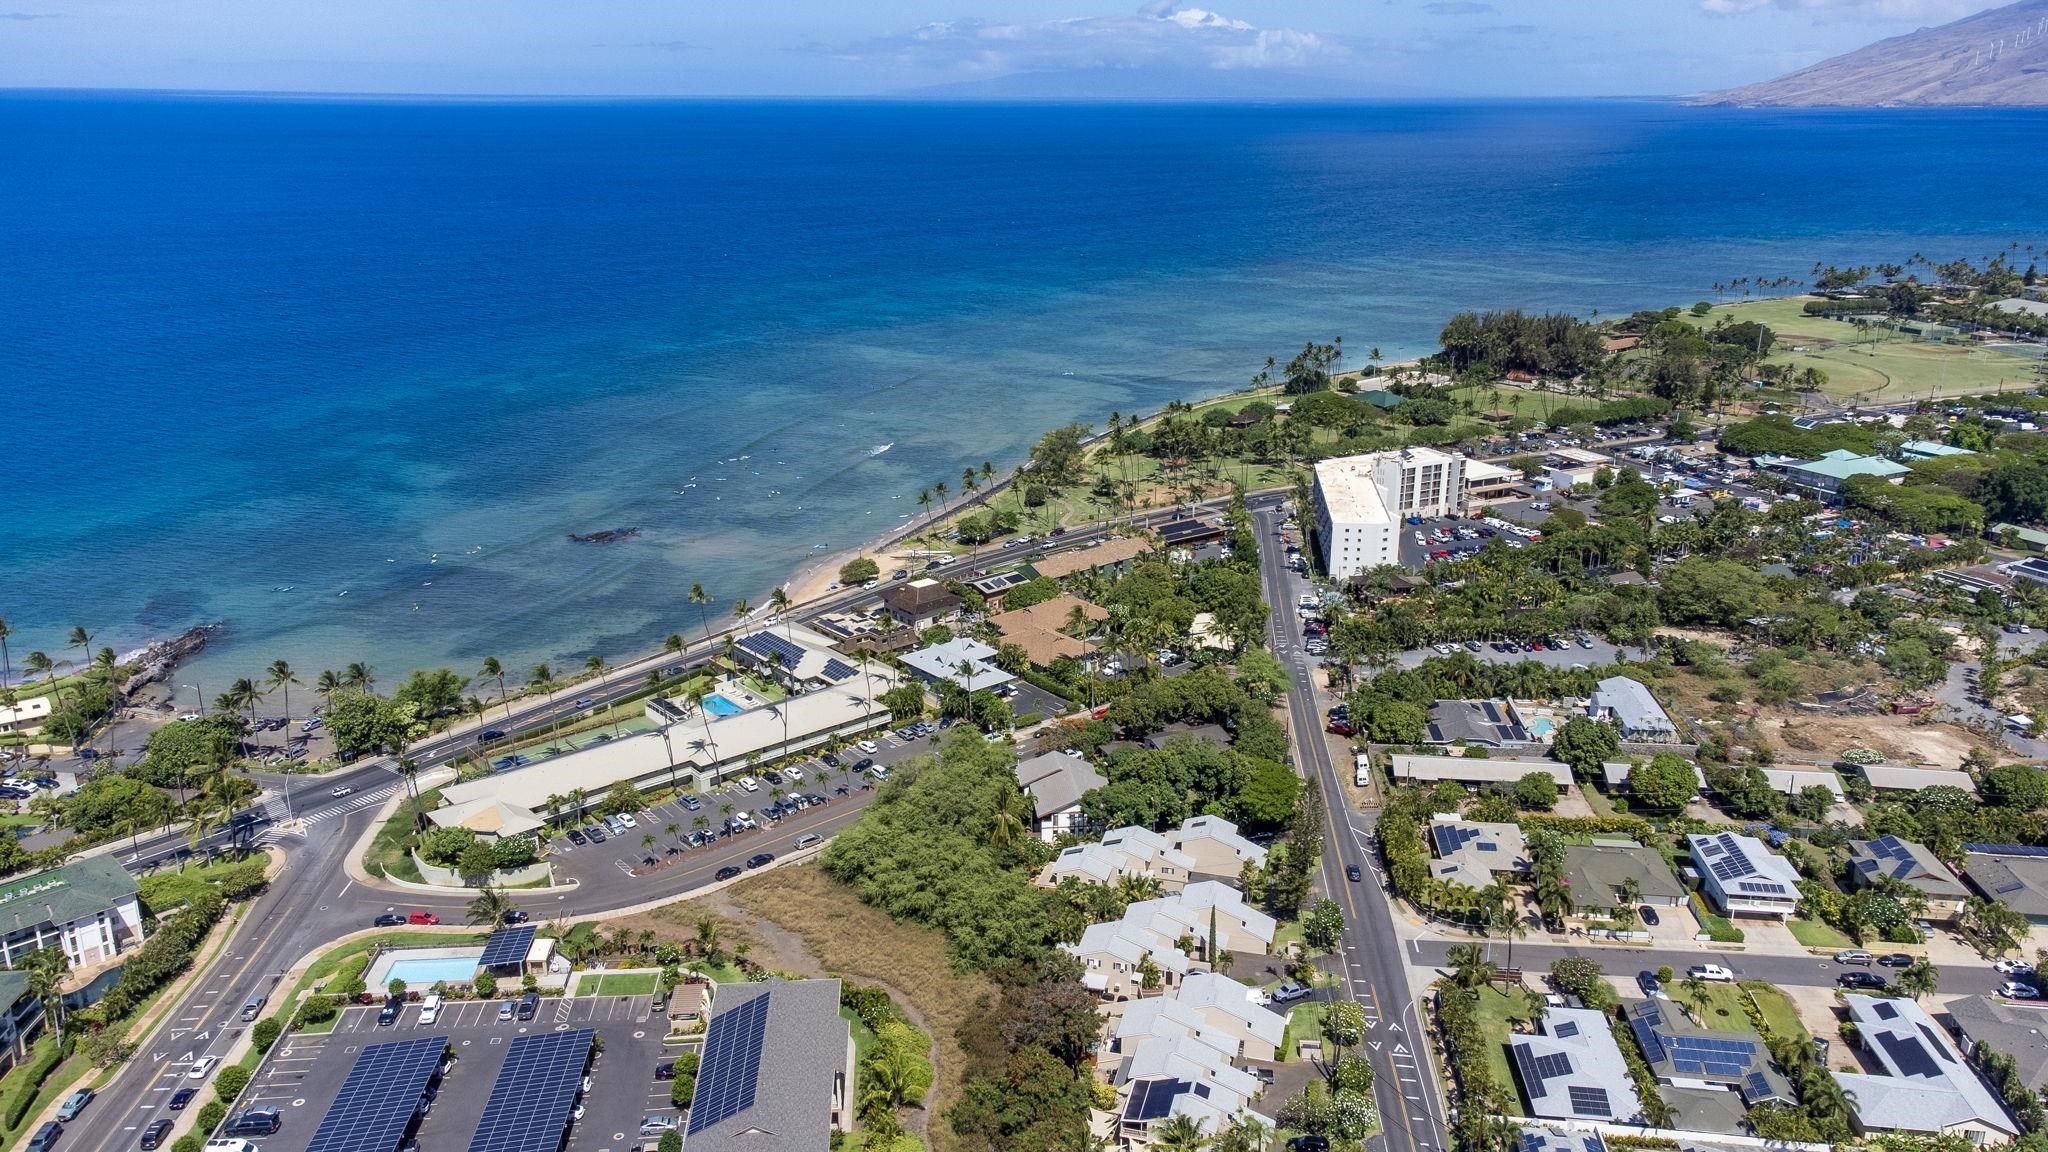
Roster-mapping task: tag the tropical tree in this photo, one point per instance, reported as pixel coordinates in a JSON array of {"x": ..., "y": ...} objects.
[
  {"x": 1181, "y": 1133},
  {"x": 6, "y": 664},
  {"x": 38, "y": 664},
  {"x": 280, "y": 678},
  {"x": 1918, "y": 979},
  {"x": 82, "y": 640},
  {"x": 702, "y": 600},
  {"x": 741, "y": 610},
  {"x": 326, "y": 685},
  {"x": 359, "y": 675},
  {"x": 780, "y": 601},
  {"x": 489, "y": 906},
  {"x": 1469, "y": 966},
  {"x": 46, "y": 969},
  {"x": 492, "y": 670}
]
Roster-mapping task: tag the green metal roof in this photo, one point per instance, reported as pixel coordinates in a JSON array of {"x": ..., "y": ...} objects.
[
  {"x": 76, "y": 890},
  {"x": 1841, "y": 464},
  {"x": 1380, "y": 399},
  {"x": 2034, "y": 536},
  {"x": 1932, "y": 448}
]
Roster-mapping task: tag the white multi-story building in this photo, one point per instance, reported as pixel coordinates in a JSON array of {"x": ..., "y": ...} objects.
[{"x": 1361, "y": 501}]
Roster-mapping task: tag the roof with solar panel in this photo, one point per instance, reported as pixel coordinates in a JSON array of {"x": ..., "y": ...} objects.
[
  {"x": 1684, "y": 1055},
  {"x": 793, "y": 652},
  {"x": 1921, "y": 1082},
  {"x": 1548, "y": 1139},
  {"x": 2015, "y": 876},
  {"x": 1744, "y": 875},
  {"x": 1471, "y": 852},
  {"x": 377, "y": 1101},
  {"x": 1573, "y": 1069},
  {"x": 1911, "y": 864},
  {"x": 536, "y": 1088},
  {"x": 777, "y": 1068}
]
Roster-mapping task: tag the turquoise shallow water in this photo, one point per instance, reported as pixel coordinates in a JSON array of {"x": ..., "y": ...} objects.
[{"x": 346, "y": 375}]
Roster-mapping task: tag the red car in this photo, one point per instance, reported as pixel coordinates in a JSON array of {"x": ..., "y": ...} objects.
[
  {"x": 1342, "y": 728},
  {"x": 423, "y": 918}
]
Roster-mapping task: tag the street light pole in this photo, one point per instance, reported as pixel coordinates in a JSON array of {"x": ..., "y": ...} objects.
[{"x": 199, "y": 695}]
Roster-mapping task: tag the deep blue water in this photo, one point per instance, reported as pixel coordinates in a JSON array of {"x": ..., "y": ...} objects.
[{"x": 250, "y": 343}]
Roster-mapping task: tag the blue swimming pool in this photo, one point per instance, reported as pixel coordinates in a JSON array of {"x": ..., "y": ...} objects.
[
  {"x": 1541, "y": 726},
  {"x": 426, "y": 973},
  {"x": 720, "y": 706}
]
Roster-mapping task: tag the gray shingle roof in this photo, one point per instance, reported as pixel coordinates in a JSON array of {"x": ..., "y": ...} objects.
[
  {"x": 1056, "y": 781},
  {"x": 803, "y": 1046},
  {"x": 1925, "y": 1086},
  {"x": 2017, "y": 1030}
]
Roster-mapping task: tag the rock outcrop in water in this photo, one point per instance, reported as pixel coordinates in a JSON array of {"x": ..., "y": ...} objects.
[
  {"x": 161, "y": 657},
  {"x": 608, "y": 536},
  {"x": 1996, "y": 58}
]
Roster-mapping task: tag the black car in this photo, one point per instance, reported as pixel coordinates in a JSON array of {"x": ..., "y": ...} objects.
[
  {"x": 665, "y": 1070},
  {"x": 1865, "y": 980},
  {"x": 390, "y": 920},
  {"x": 761, "y": 860},
  {"x": 1895, "y": 960},
  {"x": 577, "y": 837},
  {"x": 773, "y": 777},
  {"x": 727, "y": 873},
  {"x": 182, "y": 1097},
  {"x": 388, "y": 1015},
  {"x": 488, "y": 735},
  {"x": 515, "y": 916},
  {"x": 1352, "y": 873},
  {"x": 1648, "y": 914},
  {"x": 863, "y": 765},
  {"x": 255, "y": 1122},
  {"x": 595, "y": 833},
  {"x": 153, "y": 1136},
  {"x": 831, "y": 759},
  {"x": 1309, "y": 1144}
]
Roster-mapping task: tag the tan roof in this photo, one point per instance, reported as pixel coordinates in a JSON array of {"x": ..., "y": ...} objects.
[
  {"x": 1042, "y": 647},
  {"x": 1048, "y": 616},
  {"x": 1063, "y": 564}
]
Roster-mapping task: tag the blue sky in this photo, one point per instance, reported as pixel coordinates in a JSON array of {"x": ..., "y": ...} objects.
[{"x": 867, "y": 47}]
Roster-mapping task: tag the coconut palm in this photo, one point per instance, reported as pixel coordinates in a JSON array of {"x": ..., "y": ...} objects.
[
  {"x": 939, "y": 493},
  {"x": 359, "y": 677},
  {"x": 280, "y": 679},
  {"x": 698, "y": 691},
  {"x": 46, "y": 969},
  {"x": 489, "y": 907},
  {"x": 701, "y": 599},
  {"x": 542, "y": 679},
  {"x": 596, "y": 664},
  {"x": 1012, "y": 819},
  {"x": 81, "y": 640},
  {"x": 1469, "y": 966},
  {"x": 492, "y": 670},
  {"x": 1181, "y": 1133},
  {"x": 326, "y": 684},
  {"x": 39, "y": 664},
  {"x": 6, "y": 664},
  {"x": 780, "y": 600}
]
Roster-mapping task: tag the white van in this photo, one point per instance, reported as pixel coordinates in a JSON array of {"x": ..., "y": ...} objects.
[
  {"x": 1363, "y": 775},
  {"x": 430, "y": 1008}
]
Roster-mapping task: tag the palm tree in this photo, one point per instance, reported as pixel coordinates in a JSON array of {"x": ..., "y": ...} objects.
[
  {"x": 492, "y": 670},
  {"x": 46, "y": 968},
  {"x": 780, "y": 601},
  {"x": 1920, "y": 978},
  {"x": 6, "y": 665},
  {"x": 924, "y": 501},
  {"x": 489, "y": 907},
  {"x": 701, "y": 599},
  {"x": 741, "y": 610},
  {"x": 596, "y": 664},
  {"x": 1181, "y": 1133},
  {"x": 698, "y": 691},
  {"x": 1695, "y": 990},
  {"x": 1011, "y": 819},
  {"x": 1469, "y": 966},
  {"x": 280, "y": 679},
  {"x": 82, "y": 640},
  {"x": 939, "y": 492},
  {"x": 359, "y": 677},
  {"x": 326, "y": 685},
  {"x": 39, "y": 664},
  {"x": 542, "y": 678}
]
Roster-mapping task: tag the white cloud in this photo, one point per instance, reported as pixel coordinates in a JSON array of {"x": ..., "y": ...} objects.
[{"x": 1163, "y": 33}]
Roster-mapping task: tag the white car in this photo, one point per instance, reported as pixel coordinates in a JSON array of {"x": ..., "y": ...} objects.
[
  {"x": 626, "y": 818},
  {"x": 201, "y": 1067},
  {"x": 749, "y": 784},
  {"x": 2014, "y": 990},
  {"x": 1713, "y": 972},
  {"x": 1289, "y": 991},
  {"x": 2011, "y": 967},
  {"x": 793, "y": 772},
  {"x": 344, "y": 790},
  {"x": 869, "y": 747}
]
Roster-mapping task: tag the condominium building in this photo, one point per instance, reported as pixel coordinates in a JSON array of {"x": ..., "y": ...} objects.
[{"x": 1361, "y": 501}]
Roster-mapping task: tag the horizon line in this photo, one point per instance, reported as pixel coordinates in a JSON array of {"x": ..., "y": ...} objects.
[{"x": 899, "y": 97}]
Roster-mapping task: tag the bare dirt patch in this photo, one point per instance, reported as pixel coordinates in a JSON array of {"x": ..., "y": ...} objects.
[
  {"x": 1896, "y": 737},
  {"x": 799, "y": 920}
]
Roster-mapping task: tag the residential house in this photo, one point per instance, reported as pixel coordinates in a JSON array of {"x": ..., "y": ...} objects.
[
  {"x": 1471, "y": 853},
  {"x": 1614, "y": 775},
  {"x": 1169, "y": 931},
  {"x": 1476, "y": 723},
  {"x": 1923, "y": 1084},
  {"x": 1037, "y": 629},
  {"x": 2017, "y": 1029},
  {"x": 1211, "y": 1007},
  {"x": 1573, "y": 1070},
  {"x": 1599, "y": 876},
  {"x": 2015, "y": 876},
  {"x": 1741, "y": 877},
  {"x": 1549, "y": 1138},
  {"x": 1683, "y": 1054},
  {"x": 1914, "y": 865},
  {"x": 1113, "y": 555},
  {"x": 1126, "y": 851},
  {"x": 962, "y": 660},
  {"x": 1629, "y": 706},
  {"x": 1215, "y": 848},
  {"x": 1913, "y": 450},
  {"x": 1894, "y": 778},
  {"x": 1056, "y": 782},
  {"x": 1114, "y": 955},
  {"x": 25, "y": 716},
  {"x": 1408, "y": 769},
  {"x": 90, "y": 908},
  {"x": 1179, "y": 1075},
  {"x": 1793, "y": 781},
  {"x": 1189, "y": 533},
  {"x": 919, "y": 603},
  {"x": 795, "y": 656},
  {"x": 777, "y": 1071}
]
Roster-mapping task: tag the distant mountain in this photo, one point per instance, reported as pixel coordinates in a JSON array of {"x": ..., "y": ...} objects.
[
  {"x": 1157, "y": 83},
  {"x": 1995, "y": 58}
]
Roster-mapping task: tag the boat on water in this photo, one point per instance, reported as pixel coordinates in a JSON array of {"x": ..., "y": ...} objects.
[{"x": 878, "y": 449}]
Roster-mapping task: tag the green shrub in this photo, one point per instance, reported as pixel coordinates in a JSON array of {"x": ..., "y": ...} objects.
[
  {"x": 211, "y": 1115},
  {"x": 189, "y": 1142},
  {"x": 229, "y": 1081},
  {"x": 317, "y": 1010},
  {"x": 265, "y": 1033},
  {"x": 30, "y": 1081},
  {"x": 1030, "y": 718},
  {"x": 682, "y": 1090}
]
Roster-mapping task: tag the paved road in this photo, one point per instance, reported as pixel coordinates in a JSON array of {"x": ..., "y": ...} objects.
[
  {"x": 1372, "y": 970},
  {"x": 1817, "y": 971}
]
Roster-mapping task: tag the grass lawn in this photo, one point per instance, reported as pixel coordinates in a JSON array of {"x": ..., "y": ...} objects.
[
  {"x": 1727, "y": 1008},
  {"x": 801, "y": 920},
  {"x": 1289, "y": 932},
  {"x": 863, "y": 1036},
  {"x": 1815, "y": 934},
  {"x": 1304, "y": 1022},
  {"x": 1877, "y": 364},
  {"x": 387, "y": 855},
  {"x": 1497, "y": 1012},
  {"x": 163, "y": 889},
  {"x": 616, "y": 984}
]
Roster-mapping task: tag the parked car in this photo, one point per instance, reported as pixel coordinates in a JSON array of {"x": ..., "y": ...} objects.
[
  {"x": 528, "y": 1005},
  {"x": 726, "y": 873},
  {"x": 749, "y": 784},
  {"x": 1869, "y": 981},
  {"x": 2010, "y": 967},
  {"x": 1651, "y": 986},
  {"x": 1854, "y": 956},
  {"x": 666, "y": 1070},
  {"x": 1895, "y": 960},
  {"x": 1713, "y": 972},
  {"x": 2014, "y": 990},
  {"x": 691, "y": 803},
  {"x": 420, "y": 917},
  {"x": 577, "y": 837},
  {"x": 388, "y": 1014},
  {"x": 1289, "y": 991},
  {"x": 389, "y": 920},
  {"x": 1648, "y": 915},
  {"x": 255, "y": 1122},
  {"x": 45, "y": 1138},
  {"x": 596, "y": 833}
]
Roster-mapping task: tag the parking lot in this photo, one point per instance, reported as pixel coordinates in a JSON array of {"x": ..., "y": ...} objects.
[{"x": 304, "y": 1073}]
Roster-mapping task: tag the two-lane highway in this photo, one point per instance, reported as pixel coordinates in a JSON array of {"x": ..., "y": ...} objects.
[{"x": 1370, "y": 966}]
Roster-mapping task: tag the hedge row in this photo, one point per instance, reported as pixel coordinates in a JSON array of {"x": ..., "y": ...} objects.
[{"x": 31, "y": 1083}]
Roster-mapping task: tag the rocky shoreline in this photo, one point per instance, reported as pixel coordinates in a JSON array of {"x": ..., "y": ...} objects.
[{"x": 160, "y": 658}]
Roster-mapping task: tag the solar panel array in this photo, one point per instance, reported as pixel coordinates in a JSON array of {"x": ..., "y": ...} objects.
[
  {"x": 1451, "y": 837},
  {"x": 1589, "y": 1101},
  {"x": 507, "y": 946},
  {"x": 1536, "y": 1069},
  {"x": 1908, "y": 1056},
  {"x": 836, "y": 670},
  {"x": 731, "y": 1069},
  {"x": 1756, "y": 1088},
  {"x": 529, "y": 1106},
  {"x": 1568, "y": 1028},
  {"x": 767, "y": 645},
  {"x": 1150, "y": 1099},
  {"x": 377, "y": 1100},
  {"x": 1647, "y": 1038}
]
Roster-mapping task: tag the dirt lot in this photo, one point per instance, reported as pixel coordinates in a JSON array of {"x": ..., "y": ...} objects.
[
  {"x": 799, "y": 920},
  {"x": 1897, "y": 737}
]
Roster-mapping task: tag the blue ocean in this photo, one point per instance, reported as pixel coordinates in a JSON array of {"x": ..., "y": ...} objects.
[{"x": 346, "y": 374}]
